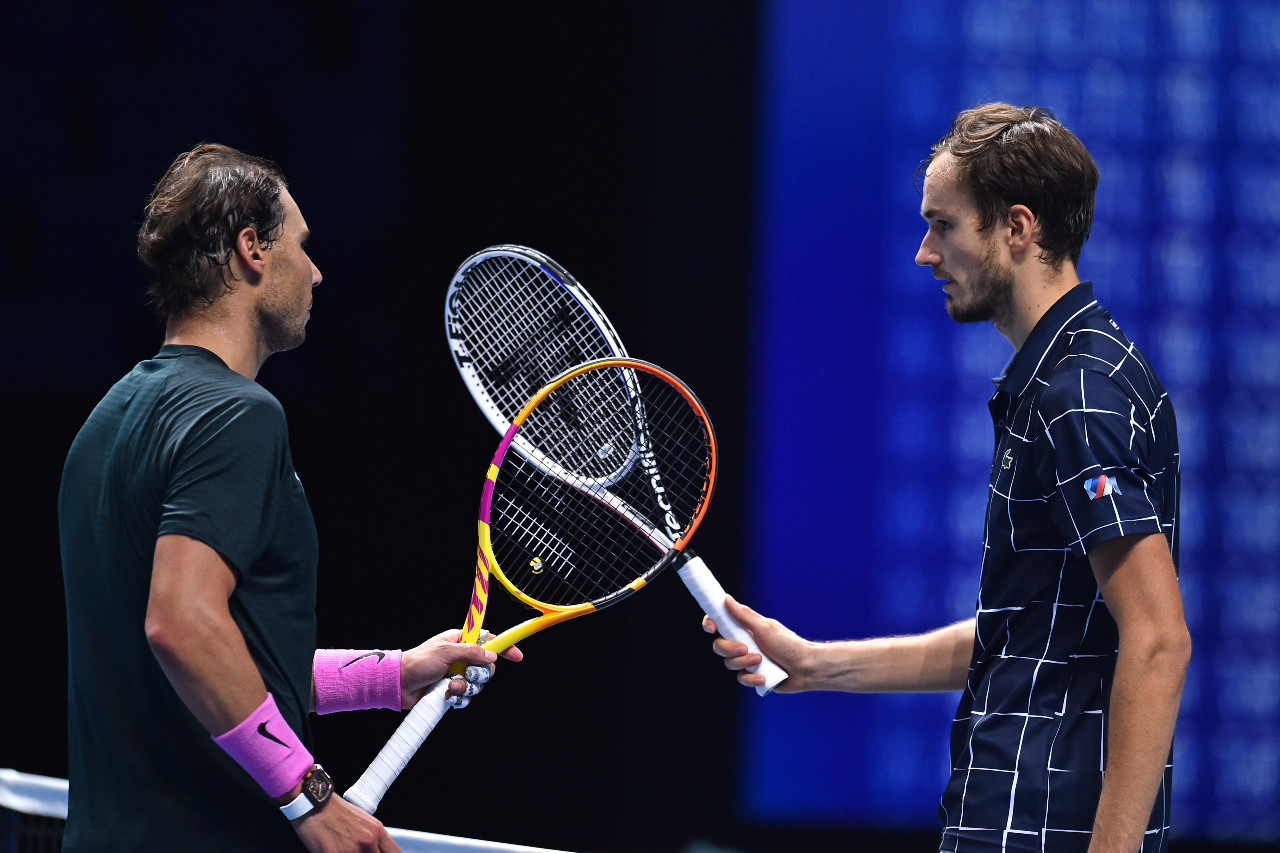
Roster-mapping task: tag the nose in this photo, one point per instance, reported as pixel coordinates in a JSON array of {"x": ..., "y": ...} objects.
[
  {"x": 316, "y": 277},
  {"x": 925, "y": 255}
]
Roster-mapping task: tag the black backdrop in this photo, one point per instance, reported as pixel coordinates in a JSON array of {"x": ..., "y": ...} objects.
[{"x": 616, "y": 137}]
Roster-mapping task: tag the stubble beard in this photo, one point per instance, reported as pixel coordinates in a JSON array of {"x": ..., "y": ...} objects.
[
  {"x": 279, "y": 329},
  {"x": 989, "y": 296}
]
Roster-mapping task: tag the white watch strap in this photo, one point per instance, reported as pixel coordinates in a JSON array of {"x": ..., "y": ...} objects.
[{"x": 296, "y": 809}]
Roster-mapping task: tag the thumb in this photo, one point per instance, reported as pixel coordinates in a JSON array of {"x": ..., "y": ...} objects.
[
  {"x": 473, "y": 653},
  {"x": 744, "y": 614}
]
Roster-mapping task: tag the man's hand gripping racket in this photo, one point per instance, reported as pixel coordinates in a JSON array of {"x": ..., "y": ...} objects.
[
  {"x": 514, "y": 317},
  {"x": 576, "y": 533}
]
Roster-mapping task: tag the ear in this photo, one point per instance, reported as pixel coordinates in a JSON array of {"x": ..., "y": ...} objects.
[
  {"x": 249, "y": 254},
  {"x": 1023, "y": 229}
]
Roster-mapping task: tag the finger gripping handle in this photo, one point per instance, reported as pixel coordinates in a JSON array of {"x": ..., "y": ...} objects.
[
  {"x": 710, "y": 595},
  {"x": 372, "y": 785}
]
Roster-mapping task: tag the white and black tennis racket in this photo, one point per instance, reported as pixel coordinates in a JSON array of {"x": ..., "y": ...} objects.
[
  {"x": 571, "y": 535},
  {"x": 514, "y": 318}
]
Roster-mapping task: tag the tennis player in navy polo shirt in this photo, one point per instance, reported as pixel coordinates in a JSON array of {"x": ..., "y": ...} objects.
[{"x": 1073, "y": 666}]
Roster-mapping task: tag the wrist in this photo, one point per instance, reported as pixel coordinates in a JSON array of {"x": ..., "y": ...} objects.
[
  {"x": 351, "y": 680},
  {"x": 810, "y": 665},
  {"x": 289, "y": 796},
  {"x": 268, "y": 749},
  {"x": 315, "y": 789}
]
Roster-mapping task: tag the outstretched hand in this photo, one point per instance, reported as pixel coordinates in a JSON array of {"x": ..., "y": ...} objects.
[
  {"x": 426, "y": 664},
  {"x": 779, "y": 642}
]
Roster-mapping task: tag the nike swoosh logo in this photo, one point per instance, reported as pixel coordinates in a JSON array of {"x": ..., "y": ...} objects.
[
  {"x": 262, "y": 730},
  {"x": 379, "y": 655}
]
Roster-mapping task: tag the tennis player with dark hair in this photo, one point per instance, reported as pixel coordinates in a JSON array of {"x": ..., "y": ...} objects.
[
  {"x": 190, "y": 556},
  {"x": 1072, "y": 669}
]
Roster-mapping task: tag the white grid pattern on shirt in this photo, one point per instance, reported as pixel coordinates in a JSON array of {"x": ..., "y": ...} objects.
[{"x": 1086, "y": 342}]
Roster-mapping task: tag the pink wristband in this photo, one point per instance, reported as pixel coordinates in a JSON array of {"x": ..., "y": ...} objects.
[
  {"x": 265, "y": 746},
  {"x": 352, "y": 680}
]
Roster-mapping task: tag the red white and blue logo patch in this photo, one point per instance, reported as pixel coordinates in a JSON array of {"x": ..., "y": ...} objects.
[{"x": 1098, "y": 487}]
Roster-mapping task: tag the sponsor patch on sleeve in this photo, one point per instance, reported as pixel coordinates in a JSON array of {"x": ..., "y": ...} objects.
[{"x": 1097, "y": 487}]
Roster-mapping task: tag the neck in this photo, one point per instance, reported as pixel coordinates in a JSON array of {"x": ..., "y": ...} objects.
[
  {"x": 1034, "y": 293},
  {"x": 229, "y": 340}
]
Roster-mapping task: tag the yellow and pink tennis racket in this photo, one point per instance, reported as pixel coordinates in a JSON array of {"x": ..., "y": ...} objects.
[
  {"x": 514, "y": 318},
  {"x": 571, "y": 533}
]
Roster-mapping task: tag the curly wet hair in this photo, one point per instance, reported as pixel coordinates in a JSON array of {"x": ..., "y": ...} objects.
[{"x": 205, "y": 199}]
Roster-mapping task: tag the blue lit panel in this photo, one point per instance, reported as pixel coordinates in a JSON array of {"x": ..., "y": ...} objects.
[{"x": 872, "y": 437}]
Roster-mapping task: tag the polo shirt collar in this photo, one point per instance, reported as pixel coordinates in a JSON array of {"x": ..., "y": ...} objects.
[
  {"x": 1026, "y": 362},
  {"x": 179, "y": 350}
]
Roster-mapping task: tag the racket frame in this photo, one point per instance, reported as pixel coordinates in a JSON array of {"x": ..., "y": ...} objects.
[
  {"x": 458, "y": 348},
  {"x": 699, "y": 579},
  {"x": 370, "y": 788}
]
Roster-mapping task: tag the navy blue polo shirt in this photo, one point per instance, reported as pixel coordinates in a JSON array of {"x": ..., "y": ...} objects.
[{"x": 1086, "y": 450}]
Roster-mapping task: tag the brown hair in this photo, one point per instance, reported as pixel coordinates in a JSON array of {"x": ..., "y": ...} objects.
[
  {"x": 193, "y": 216},
  {"x": 1007, "y": 155}
]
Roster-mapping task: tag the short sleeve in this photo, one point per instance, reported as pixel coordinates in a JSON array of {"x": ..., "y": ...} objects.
[
  {"x": 1096, "y": 450},
  {"x": 225, "y": 466}
]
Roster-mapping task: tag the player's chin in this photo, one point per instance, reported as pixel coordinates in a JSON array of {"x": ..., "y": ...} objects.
[{"x": 963, "y": 311}]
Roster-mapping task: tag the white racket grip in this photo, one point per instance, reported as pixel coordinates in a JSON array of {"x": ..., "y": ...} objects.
[
  {"x": 710, "y": 595},
  {"x": 372, "y": 785}
]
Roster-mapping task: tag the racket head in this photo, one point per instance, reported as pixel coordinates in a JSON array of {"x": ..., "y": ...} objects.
[
  {"x": 564, "y": 542},
  {"x": 515, "y": 319}
]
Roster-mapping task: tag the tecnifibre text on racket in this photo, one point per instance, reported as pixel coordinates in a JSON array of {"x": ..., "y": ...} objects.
[
  {"x": 514, "y": 317},
  {"x": 572, "y": 535}
]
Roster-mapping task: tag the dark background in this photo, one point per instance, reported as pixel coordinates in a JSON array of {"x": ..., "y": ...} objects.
[
  {"x": 618, "y": 138},
  {"x": 614, "y": 137}
]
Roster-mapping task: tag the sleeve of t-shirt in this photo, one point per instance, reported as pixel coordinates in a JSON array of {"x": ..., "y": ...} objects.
[
  {"x": 1098, "y": 460},
  {"x": 224, "y": 477}
]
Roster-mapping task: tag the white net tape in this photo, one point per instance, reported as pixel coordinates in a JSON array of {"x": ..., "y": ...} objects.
[{"x": 46, "y": 796}]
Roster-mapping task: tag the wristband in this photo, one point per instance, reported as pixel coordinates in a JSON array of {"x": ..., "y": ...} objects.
[
  {"x": 353, "y": 680},
  {"x": 268, "y": 749}
]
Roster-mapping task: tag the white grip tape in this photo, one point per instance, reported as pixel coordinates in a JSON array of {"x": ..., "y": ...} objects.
[
  {"x": 710, "y": 595},
  {"x": 372, "y": 785}
]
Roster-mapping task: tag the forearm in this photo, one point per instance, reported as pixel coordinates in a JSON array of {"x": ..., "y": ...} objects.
[
  {"x": 935, "y": 661},
  {"x": 204, "y": 654},
  {"x": 207, "y": 662},
  {"x": 195, "y": 640},
  {"x": 1139, "y": 584},
  {"x": 1144, "y": 708}
]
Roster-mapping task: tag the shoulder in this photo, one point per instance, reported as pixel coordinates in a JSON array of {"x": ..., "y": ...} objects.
[
  {"x": 1083, "y": 388},
  {"x": 1096, "y": 342},
  {"x": 199, "y": 392},
  {"x": 1101, "y": 362}
]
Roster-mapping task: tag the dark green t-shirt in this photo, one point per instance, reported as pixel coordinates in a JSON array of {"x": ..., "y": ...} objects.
[{"x": 182, "y": 445}]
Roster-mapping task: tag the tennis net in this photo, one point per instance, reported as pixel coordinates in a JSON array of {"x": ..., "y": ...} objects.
[{"x": 33, "y": 809}]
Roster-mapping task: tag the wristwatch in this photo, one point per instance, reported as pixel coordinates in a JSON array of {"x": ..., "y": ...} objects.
[{"x": 316, "y": 788}]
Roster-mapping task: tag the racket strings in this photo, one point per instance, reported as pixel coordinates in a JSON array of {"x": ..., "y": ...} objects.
[
  {"x": 671, "y": 454},
  {"x": 563, "y": 537},
  {"x": 559, "y": 545},
  {"x": 522, "y": 327},
  {"x": 586, "y": 426}
]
